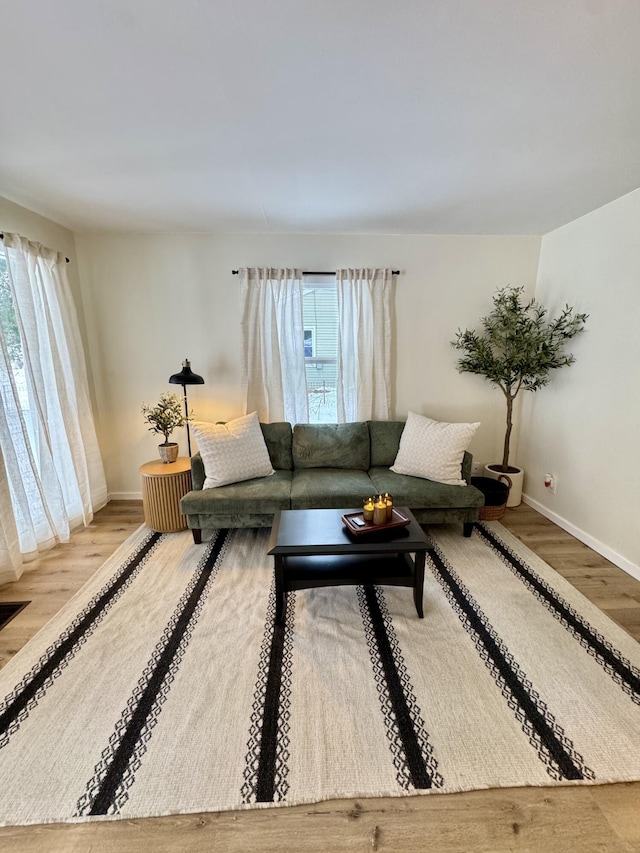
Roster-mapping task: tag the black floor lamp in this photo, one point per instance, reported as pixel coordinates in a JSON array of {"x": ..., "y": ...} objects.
[{"x": 184, "y": 378}]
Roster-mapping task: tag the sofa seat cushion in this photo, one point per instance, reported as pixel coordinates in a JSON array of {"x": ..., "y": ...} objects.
[
  {"x": 420, "y": 493},
  {"x": 331, "y": 446},
  {"x": 260, "y": 495},
  {"x": 329, "y": 488}
]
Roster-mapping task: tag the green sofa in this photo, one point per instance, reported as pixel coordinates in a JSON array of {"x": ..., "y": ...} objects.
[{"x": 327, "y": 466}]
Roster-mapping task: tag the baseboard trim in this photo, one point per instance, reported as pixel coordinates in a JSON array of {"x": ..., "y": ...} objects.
[
  {"x": 593, "y": 543},
  {"x": 124, "y": 496}
]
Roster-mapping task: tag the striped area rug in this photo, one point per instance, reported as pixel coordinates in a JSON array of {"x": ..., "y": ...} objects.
[{"x": 164, "y": 688}]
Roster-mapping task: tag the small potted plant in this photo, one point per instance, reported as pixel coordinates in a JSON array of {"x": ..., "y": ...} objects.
[
  {"x": 516, "y": 349},
  {"x": 163, "y": 419}
]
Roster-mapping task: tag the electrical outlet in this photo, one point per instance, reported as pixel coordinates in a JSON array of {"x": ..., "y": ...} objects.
[{"x": 551, "y": 483}]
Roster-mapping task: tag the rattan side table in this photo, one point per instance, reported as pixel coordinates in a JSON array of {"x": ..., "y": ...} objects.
[{"x": 163, "y": 484}]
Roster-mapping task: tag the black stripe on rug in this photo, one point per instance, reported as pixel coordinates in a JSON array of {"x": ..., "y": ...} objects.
[
  {"x": 25, "y": 696},
  {"x": 614, "y": 663},
  {"x": 108, "y": 790},
  {"x": 408, "y": 739},
  {"x": 266, "y": 762},
  {"x": 553, "y": 747}
]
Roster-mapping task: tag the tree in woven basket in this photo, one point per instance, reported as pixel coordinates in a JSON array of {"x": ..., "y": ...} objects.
[{"x": 517, "y": 347}]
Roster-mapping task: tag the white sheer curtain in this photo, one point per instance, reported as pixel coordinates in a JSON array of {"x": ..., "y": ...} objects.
[
  {"x": 364, "y": 344},
  {"x": 51, "y": 468},
  {"x": 10, "y": 556},
  {"x": 273, "y": 344}
]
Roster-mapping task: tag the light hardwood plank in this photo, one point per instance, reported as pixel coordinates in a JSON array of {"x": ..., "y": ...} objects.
[
  {"x": 536, "y": 820},
  {"x": 620, "y": 805},
  {"x": 499, "y": 821}
]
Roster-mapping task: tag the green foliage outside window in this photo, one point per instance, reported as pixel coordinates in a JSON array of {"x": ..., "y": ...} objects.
[{"x": 8, "y": 322}]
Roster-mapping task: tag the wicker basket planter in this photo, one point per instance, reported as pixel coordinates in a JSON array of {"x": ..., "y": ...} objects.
[{"x": 496, "y": 495}]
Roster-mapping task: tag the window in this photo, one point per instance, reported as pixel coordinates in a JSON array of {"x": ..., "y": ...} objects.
[
  {"x": 11, "y": 333},
  {"x": 309, "y": 342},
  {"x": 8, "y": 322},
  {"x": 54, "y": 474},
  {"x": 320, "y": 315}
]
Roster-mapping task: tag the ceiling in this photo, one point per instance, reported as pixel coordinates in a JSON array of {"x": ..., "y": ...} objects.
[{"x": 319, "y": 116}]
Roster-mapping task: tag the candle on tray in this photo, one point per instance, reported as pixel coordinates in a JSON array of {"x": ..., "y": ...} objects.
[
  {"x": 367, "y": 509},
  {"x": 389, "y": 502},
  {"x": 380, "y": 511}
]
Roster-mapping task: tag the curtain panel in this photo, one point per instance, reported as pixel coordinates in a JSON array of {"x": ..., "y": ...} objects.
[
  {"x": 273, "y": 344},
  {"x": 51, "y": 464},
  {"x": 364, "y": 344}
]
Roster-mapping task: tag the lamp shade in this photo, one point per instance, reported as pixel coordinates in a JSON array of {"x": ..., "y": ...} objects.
[{"x": 186, "y": 376}]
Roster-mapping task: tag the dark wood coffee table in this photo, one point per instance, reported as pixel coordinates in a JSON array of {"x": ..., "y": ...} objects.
[{"x": 312, "y": 548}]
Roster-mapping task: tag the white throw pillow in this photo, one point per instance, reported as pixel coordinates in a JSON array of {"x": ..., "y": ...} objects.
[
  {"x": 433, "y": 450},
  {"x": 232, "y": 452}
]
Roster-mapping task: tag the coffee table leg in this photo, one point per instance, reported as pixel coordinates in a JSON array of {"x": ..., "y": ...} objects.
[
  {"x": 280, "y": 593},
  {"x": 418, "y": 582}
]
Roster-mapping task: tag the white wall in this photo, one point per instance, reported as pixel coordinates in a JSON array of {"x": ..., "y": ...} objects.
[
  {"x": 585, "y": 426},
  {"x": 152, "y": 300}
]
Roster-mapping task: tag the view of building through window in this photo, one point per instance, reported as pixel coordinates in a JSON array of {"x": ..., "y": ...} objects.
[{"x": 320, "y": 313}]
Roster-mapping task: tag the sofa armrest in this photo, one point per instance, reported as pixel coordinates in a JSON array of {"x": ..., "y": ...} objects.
[
  {"x": 197, "y": 471},
  {"x": 467, "y": 459}
]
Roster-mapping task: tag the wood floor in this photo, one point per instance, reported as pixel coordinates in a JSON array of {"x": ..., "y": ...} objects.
[{"x": 602, "y": 818}]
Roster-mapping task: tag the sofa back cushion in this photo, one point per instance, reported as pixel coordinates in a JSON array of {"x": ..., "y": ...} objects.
[
  {"x": 277, "y": 437},
  {"x": 385, "y": 442},
  {"x": 331, "y": 446}
]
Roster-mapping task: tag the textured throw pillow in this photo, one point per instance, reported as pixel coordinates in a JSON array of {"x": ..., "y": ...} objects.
[
  {"x": 233, "y": 451},
  {"x": 433, "y": 450}
]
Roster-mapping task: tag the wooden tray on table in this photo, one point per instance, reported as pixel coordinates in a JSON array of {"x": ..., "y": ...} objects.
[{"x": 355, "y": 523}]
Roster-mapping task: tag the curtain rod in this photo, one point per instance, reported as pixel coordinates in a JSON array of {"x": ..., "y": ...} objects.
[
  {"x": 393, "y": 272},
  {"x": 2, "y": 238}
]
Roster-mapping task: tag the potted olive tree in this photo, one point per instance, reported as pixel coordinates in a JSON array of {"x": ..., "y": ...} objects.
[
  {"x": 163, "y": 419},
  {"x": 516, "y": 348}
]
